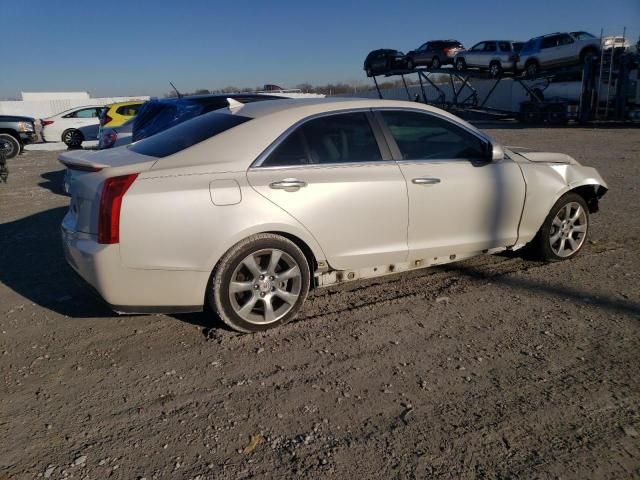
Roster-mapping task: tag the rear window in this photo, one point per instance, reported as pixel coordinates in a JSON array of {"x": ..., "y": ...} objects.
[{"x": 187, "y": 134}]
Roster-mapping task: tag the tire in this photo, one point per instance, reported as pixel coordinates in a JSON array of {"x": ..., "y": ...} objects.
[
  {"x": 532, "y": 68},
  {"x": 369, "y": 72},
  {"x": 495, "y": 69},
  {"x": 587, "y": 54},
  {"x": 72, "y": 137},
  {"x": 461, "y": 65},
  {"x": 435, "y": 63},
  {"x": 552, "y": 242},
  {"x": 10, "y": 145},
  {"x": 410, "y": 64},
  {"x": 530, "y": 113},
  {"x": 257, "y": 283}
]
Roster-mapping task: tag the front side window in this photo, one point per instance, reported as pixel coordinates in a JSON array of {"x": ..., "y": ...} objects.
[
  {"x": 565, "y": 39},
  {"x": 504, "y": 46},
  {"x": 341, "y": 138},
  {"x": 490, "y": 47},
  {"x": 421, "y": 136},
  {"x": 478, "y": 47},
  {"x": 550, "y": 42},
  {"x": 187, "y": 134}
]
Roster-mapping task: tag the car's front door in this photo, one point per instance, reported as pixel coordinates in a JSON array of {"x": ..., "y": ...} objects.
[
  {"x": 87, "y": 121},
  {"x": 473, "y": 55},
  {"x": 334, "y": 174},
  {"x": 460, "y": 201}
]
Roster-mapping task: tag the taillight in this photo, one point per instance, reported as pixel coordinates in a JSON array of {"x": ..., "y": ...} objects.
[
  {"x": 111, "y": 197},
  {"x": 46, "y": 122},
  {"x": 109, "y": 139},
  {"x": 105, "y": 119},
  {"x": 447, "y": 50}
]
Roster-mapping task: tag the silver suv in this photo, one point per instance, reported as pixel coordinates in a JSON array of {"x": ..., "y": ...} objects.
[
  {"x": 557, "y": 49},
  {"x": 493, "y": 55}
]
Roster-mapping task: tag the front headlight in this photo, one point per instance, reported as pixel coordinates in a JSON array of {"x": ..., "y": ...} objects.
[{"x": 25, "y": 126}]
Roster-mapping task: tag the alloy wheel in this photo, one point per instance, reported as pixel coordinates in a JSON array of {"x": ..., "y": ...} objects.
[
  {"x": 568, "y": 230},
  {"x": 265, "y": 286}
]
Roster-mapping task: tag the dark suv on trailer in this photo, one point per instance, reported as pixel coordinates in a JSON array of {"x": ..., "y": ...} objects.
[
  {"x": 383, "y": 60},
  {"x": 434, "y": 53}
]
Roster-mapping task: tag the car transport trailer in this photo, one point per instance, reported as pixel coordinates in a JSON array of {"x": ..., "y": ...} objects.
[{"x": 604, "y": 88}]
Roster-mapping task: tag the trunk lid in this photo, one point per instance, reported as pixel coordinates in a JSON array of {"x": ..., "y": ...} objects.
[{"x": 85, "y": 174}]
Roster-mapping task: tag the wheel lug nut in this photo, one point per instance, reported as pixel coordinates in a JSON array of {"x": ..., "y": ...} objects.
[
  {"x": 256, "y": 286},
  {"x": 272, "y": 277},
  {"x": 262, "y": 294},
  {"x": 261, "y": 277},
  {"x": 273, "y": 289}
]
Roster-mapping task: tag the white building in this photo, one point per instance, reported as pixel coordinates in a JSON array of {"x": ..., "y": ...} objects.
[{"x": 45, "y": 104}]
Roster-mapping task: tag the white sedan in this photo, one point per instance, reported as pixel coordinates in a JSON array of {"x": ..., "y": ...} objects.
[
  {"x": 72, "y": 126},
  {"x": 249, "y": 207}
]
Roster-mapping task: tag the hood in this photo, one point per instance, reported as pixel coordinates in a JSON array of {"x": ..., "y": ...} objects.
[
  {"x": 543, "y": 157},
  {"x": 15, "y": 118}
]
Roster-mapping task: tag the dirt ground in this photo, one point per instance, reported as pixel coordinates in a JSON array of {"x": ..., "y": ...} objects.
[{"x": 498, "y": 367}]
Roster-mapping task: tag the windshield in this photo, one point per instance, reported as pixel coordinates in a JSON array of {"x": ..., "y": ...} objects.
[{"x": 187, "y": 134}]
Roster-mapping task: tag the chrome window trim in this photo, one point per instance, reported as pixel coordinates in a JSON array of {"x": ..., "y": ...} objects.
[{"x": 378, "y": 135}]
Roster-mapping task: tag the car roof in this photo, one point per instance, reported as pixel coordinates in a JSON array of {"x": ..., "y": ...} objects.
[
  {"x": 311, "y": 106},
  {"x": 119, "y": 104}
]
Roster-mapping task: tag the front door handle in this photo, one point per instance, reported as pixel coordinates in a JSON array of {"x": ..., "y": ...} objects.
[
  {"x": 291, "y": 184},
  {"x": 425, "y": 181}
]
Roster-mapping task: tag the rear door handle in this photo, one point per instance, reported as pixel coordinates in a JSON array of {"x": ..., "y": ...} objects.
[
  {"x": 425, "y": 181},
  {"x": 288, "y": 184}
]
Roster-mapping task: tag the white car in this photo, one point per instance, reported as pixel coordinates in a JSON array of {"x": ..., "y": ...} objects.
[
  {"x": 73, "y": 126},
  {"x": 248, "y": 207}
]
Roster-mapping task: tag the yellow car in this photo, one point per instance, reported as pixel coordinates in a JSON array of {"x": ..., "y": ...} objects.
[{"x": 116, "y": 114}]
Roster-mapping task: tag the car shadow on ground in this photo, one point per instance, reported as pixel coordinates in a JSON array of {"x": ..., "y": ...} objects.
[
  {"x": 32, "y": 264},
  {"x": 54, "y": 181}
]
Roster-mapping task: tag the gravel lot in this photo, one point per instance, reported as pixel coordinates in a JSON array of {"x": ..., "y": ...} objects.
[{"x": 498, "y": 367}]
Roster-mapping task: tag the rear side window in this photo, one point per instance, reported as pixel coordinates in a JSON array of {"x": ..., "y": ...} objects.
[
  {"x": 341, "y": 138},
  {"x": 504, "y": 46},
  {"x": 128, "y": 110},
  {"x": 550, "y": 42},
  {"x": 187, "y": 134},
  {"x": 425, "y": 137}
]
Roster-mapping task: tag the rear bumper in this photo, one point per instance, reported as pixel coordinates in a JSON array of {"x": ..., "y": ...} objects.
[{"x": 128, "y": 290}]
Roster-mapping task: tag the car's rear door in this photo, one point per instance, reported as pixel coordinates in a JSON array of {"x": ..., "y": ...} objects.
[
  {"x": 459, "y": 201},
  {"x": 335, "y": 175}
]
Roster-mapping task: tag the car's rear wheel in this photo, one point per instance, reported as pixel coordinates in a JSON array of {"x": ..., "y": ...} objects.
[
  {"x": 587, "y": 54},
  {"x": 564, "y": 231},
  {"x": 9, "y": 145},
  {"x": 260, "y": 283},
  {"x": 72, "y": 137},
  {"x": 410, "y": 64},
  {"x": 495, "y": 69},
  {"x": 461, "y": 65},
  {"x": 435, "y": 63},
  {"x": 532, "y": 68}
]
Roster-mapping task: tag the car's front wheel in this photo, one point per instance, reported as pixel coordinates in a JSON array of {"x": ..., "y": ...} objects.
[
  {"x": 564, "y": 231},
  {"x": 9, "y": 145},
  {"x": 532, "y": 68},
  {"x": 461, "y": 65},
  {"x": 72, "y": 137},
  {"x": 435, "y": 63},
  {"x": 410, "y": 64},
  {"x": 495, "y": 69},
  {"x": 260, "y": 283}
]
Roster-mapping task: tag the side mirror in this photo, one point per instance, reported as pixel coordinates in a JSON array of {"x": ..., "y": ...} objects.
[{"x": 497, "y": 153}]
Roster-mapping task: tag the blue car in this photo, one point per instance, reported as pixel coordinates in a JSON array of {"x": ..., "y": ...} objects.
[{"x": 160, "y": 114}]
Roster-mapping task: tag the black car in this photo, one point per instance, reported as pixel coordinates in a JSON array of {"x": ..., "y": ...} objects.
[
  {"x": 434, "y": 53},
  {"x": 15, "y": 133},
  {"x": 383, "y": 61},
  {"x": 160, "y": 114}
]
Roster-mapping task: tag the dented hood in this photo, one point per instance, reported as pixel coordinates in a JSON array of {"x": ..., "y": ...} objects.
[{"x": 543, "y": 157}]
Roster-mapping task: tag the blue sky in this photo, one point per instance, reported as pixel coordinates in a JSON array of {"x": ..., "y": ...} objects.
[{"x": 136, "y": 47}]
